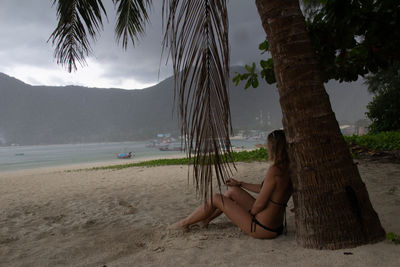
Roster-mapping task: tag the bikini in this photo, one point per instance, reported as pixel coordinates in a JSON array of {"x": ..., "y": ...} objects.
[{"x": 279, "y": 230}]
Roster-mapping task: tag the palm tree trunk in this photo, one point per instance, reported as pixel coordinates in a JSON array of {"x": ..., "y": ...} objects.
[{"x": 332, "y": 206}]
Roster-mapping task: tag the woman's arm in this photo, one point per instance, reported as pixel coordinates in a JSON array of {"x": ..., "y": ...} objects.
[
  {"x": 266, "y": 192},
  {"x": 250, "y": 187},
  {"x": 255, "y": 188}
]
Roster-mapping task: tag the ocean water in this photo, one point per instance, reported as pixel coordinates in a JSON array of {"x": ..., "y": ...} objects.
[{"x": 31, "y": 157}]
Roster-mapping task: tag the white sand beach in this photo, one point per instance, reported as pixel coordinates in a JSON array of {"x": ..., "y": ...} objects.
[{"x": 51, "y": 217}]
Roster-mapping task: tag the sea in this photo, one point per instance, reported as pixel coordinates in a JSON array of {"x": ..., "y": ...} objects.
[{"x": 13, "y": 158}]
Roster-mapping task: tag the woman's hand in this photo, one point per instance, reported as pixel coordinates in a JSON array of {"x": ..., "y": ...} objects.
[{"x": 233, "y": 182}]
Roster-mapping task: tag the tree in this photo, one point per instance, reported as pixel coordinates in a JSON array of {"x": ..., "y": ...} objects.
[
  {"x": 331, "y": 202},
  {"x": 384, "y": 109},
  {"x": 332, "y": 206},
  {"x": 350, "y": 39},
  {"x": 353, "y": 38}
]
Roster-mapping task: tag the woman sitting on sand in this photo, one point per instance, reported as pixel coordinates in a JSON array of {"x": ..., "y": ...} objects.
[{"x": 261, "y": 217}]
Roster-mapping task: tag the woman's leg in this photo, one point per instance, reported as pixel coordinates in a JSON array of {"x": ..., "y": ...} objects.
[
  {"x": 204, "y": 223},
  {"x": 237, "y": 194},
  {"x": 237, "y": 214},
  {"x": 199, "y": 214},
  {"x": 240, "y": 216}
]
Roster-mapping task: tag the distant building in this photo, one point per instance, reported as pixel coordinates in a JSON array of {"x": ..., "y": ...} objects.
[{"x": 361, "y": 130}]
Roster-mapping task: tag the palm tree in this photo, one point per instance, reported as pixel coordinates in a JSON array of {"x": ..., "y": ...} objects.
[
  {"x": 331, "y": 202},
  {"x": 332, "y": 207}
]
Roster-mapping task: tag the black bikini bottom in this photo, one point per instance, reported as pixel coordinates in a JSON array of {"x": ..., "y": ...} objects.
[{"x": 254, "y": 222}]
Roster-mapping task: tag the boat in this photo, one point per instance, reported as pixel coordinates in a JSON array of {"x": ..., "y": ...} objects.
[
  {"x": 169, "y": 147},
  {"x": 19, "y": 154},
  {"x": 124, "y": 155}
]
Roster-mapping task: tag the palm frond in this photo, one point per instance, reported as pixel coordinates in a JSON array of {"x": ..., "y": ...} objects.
[
  {"x": 196, "y": 38},
  {"x": 71, "y": 35},
  {"x": 132, "y": 17}
]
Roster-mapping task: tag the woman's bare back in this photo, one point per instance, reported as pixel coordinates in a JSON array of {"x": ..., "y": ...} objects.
[{"x": 273, "y": 214}]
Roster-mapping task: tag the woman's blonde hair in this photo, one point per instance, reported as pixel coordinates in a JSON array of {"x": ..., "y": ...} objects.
[{"x": 276, "y": 146}]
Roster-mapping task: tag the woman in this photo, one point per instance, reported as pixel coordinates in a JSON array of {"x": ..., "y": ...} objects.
[{"x": 261, "y": 217}]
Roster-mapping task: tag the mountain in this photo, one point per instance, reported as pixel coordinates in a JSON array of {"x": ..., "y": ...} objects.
[{"x": 73, "y": 114}]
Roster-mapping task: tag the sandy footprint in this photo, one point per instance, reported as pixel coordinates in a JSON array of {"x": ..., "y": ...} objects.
[{"x": 130, "y": 209}]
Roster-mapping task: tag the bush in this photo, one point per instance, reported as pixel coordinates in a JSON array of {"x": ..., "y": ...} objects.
[
  {"x": 393, "y": 237},
  {"x": 379, "y": 141},
  {"x": 384, "y": 111},
  {"x": 253, "y": 155}
]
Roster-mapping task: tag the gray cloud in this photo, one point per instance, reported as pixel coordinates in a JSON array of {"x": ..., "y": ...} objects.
[
  {"x": 24, "y": 29},
  {"x": 26, "y": 25}
]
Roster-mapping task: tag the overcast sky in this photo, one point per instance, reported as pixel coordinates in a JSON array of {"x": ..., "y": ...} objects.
[{"x": 25, "y": 26}]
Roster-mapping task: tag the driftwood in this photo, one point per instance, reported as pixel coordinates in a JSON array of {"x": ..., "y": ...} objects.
[{"x": 392, "y": 156}]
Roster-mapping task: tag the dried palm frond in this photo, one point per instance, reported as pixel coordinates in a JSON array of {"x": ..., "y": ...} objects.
[
  {"x": 71, "y": 35},
  {"x": 196, "y": 36}
]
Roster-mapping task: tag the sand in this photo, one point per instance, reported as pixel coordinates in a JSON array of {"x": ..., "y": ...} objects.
[{"x": 51, "y": 217}]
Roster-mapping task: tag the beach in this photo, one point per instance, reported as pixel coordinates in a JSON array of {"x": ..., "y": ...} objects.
[{"x": 73, "y": 217}]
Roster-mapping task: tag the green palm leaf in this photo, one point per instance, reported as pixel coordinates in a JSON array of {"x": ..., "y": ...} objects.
[
  {"x": 132, "y": 16},
  {"x": 196, "y": 38},
  {"x": 71, "y": 35},
  {"x": 80, "y": 19}
]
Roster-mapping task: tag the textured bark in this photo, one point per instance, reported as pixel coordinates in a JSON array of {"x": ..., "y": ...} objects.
[{"x": 332, "y": 206}]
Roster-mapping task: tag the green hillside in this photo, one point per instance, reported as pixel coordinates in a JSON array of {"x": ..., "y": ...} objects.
[{"x": 53, "y": 115}]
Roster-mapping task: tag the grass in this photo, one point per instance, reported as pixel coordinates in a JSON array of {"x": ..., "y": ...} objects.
[
  {"x": 242, "y": 156},
  {"x": 148, "y": 163},
  {"x": 393, "y": 237}
]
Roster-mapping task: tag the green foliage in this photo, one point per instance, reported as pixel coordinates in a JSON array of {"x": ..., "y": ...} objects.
[
  {"x": 77, "y": 21},
  {"x": 149, "y": 163},
  {"x": 242, "y": 156},
  {"x": 379, "y": 141},
  {"x": 267, "y": 72},
  {"x": 131, "y": 20},
  {"x": 264, "y": 47},
  {"x": 393, "y": 237},
  {"x": 253, "y": 155},
  {"x": 251, "y": 76},
  {"x": 384, "y": 109},
  {"x": 350, "y": 38},
  {"x": 353, "y": 38},
  {"x": 384, "y": 79}
]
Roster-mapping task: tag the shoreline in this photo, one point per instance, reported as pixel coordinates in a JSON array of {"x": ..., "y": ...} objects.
[
  {"x": 53, "y": 156},
  {"x": 95, "y": 164},
  {"x": 89, "y": 165}
]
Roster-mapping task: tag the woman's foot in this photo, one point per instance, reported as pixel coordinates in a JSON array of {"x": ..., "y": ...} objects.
[
  {"x": 178, "y": 226},
  {"x": 203, "y": 224}
]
